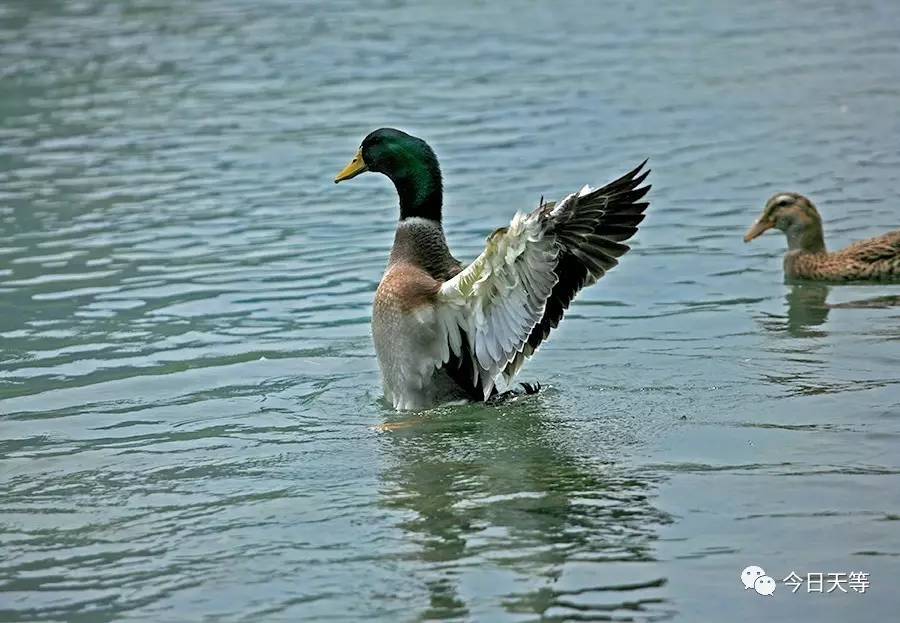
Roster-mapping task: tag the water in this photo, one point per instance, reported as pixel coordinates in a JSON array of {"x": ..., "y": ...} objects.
[{"x": 188, "y": 388}]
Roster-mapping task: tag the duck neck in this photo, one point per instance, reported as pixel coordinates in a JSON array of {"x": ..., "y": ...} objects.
[
  {"x": 420, "y": 190},
  {"x": 806, "y": 239}
]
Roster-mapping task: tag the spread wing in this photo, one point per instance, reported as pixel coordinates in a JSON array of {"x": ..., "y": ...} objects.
[{"x": 498, "y": 310}]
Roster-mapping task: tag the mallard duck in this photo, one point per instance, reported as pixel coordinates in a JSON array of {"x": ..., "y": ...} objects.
[
  {"x": 443, "y": 331},
  {"x": 806, "y": 258}
]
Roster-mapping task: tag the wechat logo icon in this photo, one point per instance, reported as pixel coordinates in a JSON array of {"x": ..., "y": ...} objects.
[{"x": 755, "y": 577}]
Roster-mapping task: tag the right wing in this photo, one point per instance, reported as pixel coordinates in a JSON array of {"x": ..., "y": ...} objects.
[{"x": 499, "y": 309}]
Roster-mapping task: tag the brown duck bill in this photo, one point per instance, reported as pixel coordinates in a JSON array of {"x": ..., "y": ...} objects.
[{"x": 759, "y": 228}]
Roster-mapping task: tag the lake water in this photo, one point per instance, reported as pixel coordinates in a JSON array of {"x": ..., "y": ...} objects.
[{"x": 188, "y": 388}]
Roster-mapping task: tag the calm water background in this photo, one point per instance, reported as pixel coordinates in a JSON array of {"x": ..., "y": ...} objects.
[{"x": 188, "y": 388}]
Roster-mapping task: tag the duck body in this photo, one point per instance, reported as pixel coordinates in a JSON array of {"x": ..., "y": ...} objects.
[
  {"x": 875, "y": 259},
  {"x": 445, "y": 332},
  {"x": 405, "y": 325}
]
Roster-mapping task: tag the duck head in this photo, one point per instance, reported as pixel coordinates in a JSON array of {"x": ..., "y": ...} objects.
[
  {"x": 409, "y": 163},
  {"x": 797, "y": 217}
]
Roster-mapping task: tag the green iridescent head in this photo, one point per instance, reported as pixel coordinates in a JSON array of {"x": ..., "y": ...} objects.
[{"x": 409, "y": 162}]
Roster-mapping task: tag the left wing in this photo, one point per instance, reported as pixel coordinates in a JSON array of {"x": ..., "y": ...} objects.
[
  {"x": 884, "y": 247},
  {"x": 497, "y": 311}
]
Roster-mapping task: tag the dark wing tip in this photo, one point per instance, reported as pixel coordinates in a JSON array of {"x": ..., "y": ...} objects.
[
  {"x": 628, "y": 182},
  {"x": 637, "y": 170},
  {"x": 640, "y": 178}
]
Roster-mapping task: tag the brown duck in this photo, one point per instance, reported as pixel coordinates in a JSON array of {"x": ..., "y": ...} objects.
[{"x": 875, "y": 259}]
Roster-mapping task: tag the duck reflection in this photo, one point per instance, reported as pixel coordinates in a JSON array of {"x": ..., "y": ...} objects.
[
  {"x": 806, "y": 308},
  {"x": 500, "y": 505}
]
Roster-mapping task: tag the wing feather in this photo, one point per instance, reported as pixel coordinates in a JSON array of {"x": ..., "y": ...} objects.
[
  {"x": 884, "y": 247},
  {"x": 499, "y": 309}
]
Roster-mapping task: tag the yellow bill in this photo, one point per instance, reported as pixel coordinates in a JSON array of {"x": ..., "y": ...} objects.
[{"x": 356, "y": 166}]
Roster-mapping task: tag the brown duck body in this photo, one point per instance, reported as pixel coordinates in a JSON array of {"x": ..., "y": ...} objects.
[{"x": 875, "y": 259}]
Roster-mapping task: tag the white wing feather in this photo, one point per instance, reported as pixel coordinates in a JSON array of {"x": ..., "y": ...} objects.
[{"x": 500, "y": 296}]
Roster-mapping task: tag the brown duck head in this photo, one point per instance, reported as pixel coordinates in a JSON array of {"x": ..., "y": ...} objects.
[{"x": 797, "y": 217}]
